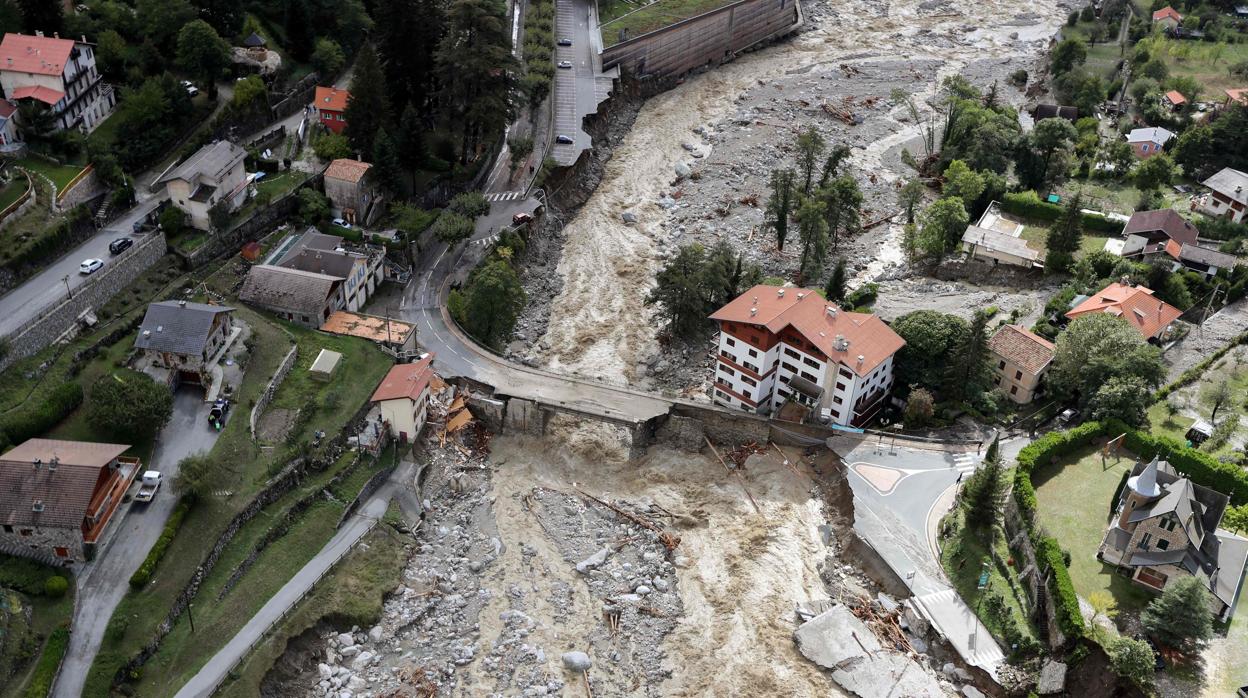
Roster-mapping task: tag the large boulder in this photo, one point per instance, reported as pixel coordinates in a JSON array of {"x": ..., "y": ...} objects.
[
  {"x": 1052, "y": 678},
  {"x": 577, "y": 661}
]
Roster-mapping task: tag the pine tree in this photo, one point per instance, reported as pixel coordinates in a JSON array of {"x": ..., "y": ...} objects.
[
  {"x": 780, "y": 205},
  {"x": 812, "y": 228},
  {"x": 386, "y": 167},
  {"x": 1065, "y": 237},
  {"x": 678, "y": 291},
  {"x": 835, "y": 288},
  {"x": 477, "y": 72},
  {"x": 42, "y": 15},
  {"x": 407, "y": 34},
  {"x": 984, "y": 492},
  {"x": 841, "y": 199},
  {"x": 810, "y": 147},
  {"x": 298, "y": 29},
  {"x": 411, "y": 141},
  {"x": 368, "y": 109},
  {"x": 968, "y": 374},
  {"x": 832, "y": 164},
  {"x": 1180, "y": 616}
]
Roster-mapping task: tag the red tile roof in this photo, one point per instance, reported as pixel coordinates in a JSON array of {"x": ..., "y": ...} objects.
[
  {"x": 6, "y": 108},
  {"x": 818, "y": 321},
  {"x": 47, "y": 95},
  {"x": 1022, "y": 347},
  {"x": 347, "y": 170},
  {"x": 405, "y": 381},
  {"x": 1135, "y": 304},
  {"x": 331, "y": 98},
  {"x": 1239, "y": 94},
  {"x": 41, "y": 55},
  {"x": 1175, "y": 97},
  {"x": 1167, "y": 11}
]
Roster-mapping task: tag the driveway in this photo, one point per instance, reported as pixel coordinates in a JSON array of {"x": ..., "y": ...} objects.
[{"x": 103, "y": 583}]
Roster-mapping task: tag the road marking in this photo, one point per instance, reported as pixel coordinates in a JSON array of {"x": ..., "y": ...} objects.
[{"x": 504, "y": 196}]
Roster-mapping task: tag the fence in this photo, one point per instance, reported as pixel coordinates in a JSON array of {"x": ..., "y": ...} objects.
[
  {"x": 288, "y": 362},
  {"x": 28, "y": 198}
]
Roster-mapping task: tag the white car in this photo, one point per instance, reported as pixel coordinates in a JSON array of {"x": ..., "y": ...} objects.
[
  {"x": 565, "y": 64},
  {"x": 341, "y": 223},
  {"x": 190, "y": 87},
  {"x": 90, "y": 266}
]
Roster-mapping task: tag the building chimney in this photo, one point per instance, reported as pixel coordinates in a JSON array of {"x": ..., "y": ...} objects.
[
  {"x": 831, "y": 311},
  {"x": 801, "y": 296},
  {"x": 780, "y": 292},
  {"x": 753, "y": 312},
  {"x": 861, "y": 358},
  {"x": 38, "y": 32},
  {"x": 160, "y": 328},
  {"x": 147, "y": 333}
]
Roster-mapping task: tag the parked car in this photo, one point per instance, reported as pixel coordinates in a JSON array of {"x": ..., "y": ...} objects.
[
  {"x": 565, "y": 140},
  {"x": 120, "y": 245},
  {"x": 566, "y": 65},
  {"x": 90, "y": 266},
  {"x": 190, "y": 88},
  {"x": 1069, "y": 417},
  {"x": 341, "y": 223},
  {"x": 565, "y": 41},
  {"x": 149, "y": 486},
  {"x": 522, "y": 219}
]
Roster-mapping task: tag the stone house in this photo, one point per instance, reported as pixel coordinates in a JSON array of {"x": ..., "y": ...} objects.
[
  {"x": 361, "y": 267},
  {"x": 403, "y": 397},
  {"x": 1147, "y": 232},
  {"x": 999, "y": 248},
  {"x": 57, "y": 498},
  {"x": 350, "y": 190},
  {"x": 1165, "y": 527},
  {"x": 302, "y": 297},
  {"x": 1020, "y": 359},
  {"x": 214, "y": 174},
  {"x": 185, "y": 338}
]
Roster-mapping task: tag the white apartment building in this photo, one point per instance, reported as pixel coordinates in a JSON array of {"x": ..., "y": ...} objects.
[
  {"x": 58, "y": 73},
  {"x": 780, "y": 344}
]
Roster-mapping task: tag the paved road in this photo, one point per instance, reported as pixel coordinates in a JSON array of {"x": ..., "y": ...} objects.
[
  {"x": 103, "y": 583},
  {"x": 900, "y": 493},
  {"x": 215, "y": 671},
  {"x": 24, "y": 304}
]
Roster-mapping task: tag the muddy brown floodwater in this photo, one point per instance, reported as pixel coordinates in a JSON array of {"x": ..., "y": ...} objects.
[{"x": 599, "y": 324}]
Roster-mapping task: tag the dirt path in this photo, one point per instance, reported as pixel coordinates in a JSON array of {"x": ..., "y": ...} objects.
[{"x": 599, "y": 323}]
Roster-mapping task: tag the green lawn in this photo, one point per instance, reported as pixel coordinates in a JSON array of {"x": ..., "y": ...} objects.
[
  {"x": 1192, "y": 400},
  {"x": 1037, "y": 235},
  {"x": 1074, "y": 506},
  {"x": 13, "y": 190},
  {"x": 59, "y": 174},
  {"x": 351, "y": 594},
  {"x": 247, "y": 466},
  {"x": 1207, "y": 62},
  {"x": 963, "y": 555},
  {"x": 105, "y": 134},
  {"x": 614, "y": 16}
]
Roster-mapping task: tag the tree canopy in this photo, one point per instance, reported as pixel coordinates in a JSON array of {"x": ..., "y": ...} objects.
[
  {"x": 1101, "y": 352},
  {"x": 129, "y": 405},
  {"x": 931, "y": 338},
  {"x": 1180, "y": 616}
]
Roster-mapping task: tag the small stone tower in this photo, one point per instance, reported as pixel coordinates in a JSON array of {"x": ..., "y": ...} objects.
[{"x": 1142, "y": 489}]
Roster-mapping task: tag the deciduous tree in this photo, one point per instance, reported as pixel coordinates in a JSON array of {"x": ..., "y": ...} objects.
[
  {"x": 203, "y": 53},
  {"x": 1096, "y": 348},
  {"x": 945, "y": 221},
  {"x": 327, "y": 58},
  {"x": 963, "y": 182},
  {"x": 491, "y": 302},
  {"x": 931, "y": 338},
  {"x": 129, "y": 405},
  {"x": 841, "y": 200}
]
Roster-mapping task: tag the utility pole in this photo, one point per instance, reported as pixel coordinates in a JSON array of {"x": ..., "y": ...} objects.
[
  {"x": 189, "y": 614},
  {"x": 68, "y": 290}
]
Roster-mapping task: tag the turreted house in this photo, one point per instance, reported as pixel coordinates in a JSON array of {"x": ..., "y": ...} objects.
[{"x": 1165, "y": 527}]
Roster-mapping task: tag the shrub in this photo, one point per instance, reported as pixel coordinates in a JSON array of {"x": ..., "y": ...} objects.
[
  {"x": 143, "y": 575},
  {"x": 45, "y": 671},
  {"x": 1028, "y": 205},
  {"x": 30, "y": 422},
  {"x": 27, "y": 576},
  {"x": 55, "y": 586},
  {"x": 1065, "y": 601}
]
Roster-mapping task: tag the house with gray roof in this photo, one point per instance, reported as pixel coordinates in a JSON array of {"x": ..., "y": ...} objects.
[
  {"x": 1166, "y": 527},
  {"x": 303, "y": 297},
  {"x": 1228, "y": 195},
  {"x": 185, "y": 338},
  {"x": 213, "y": 175}
]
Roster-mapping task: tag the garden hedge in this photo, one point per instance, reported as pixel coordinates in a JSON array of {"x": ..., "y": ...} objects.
[
  {"x": 27, "y": 422},
  {"x": 143, "y": 575},
  {"x": 1065, "y": 601},
  {"x": 1193, "y": 374},
  {"x": 45, "y": 671},
  {"x": 1027, "y": 204}
]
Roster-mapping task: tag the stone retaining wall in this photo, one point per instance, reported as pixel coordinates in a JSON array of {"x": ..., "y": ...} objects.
[
  {"x": 91, "y": 296},
  {"x": 22, "y": 205},
  {"x": 278, "y": 376},
  {"x": 83, "y": 189},
  {"x": 708, "y": 39}
]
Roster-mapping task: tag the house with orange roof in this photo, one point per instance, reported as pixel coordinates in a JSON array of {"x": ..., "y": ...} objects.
[
  {"x": 1149, "y": 315},
  {"x": 780, "y": 345},
  {"x": 1238, "y": 95},
  {"x": 1174, "y": 99},
  {"x": 58, "y": 74},
  {"x": 330, "y": 104},
  {"x": 403, "y": 397},
  {"x": 1020, "y": 358},
  {"x": 1167, "y": 17}
]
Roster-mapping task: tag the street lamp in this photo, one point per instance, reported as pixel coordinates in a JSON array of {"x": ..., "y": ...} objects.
[
  {"x": 68, "y": 290},
  {"x": 189, "y": 614}
]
